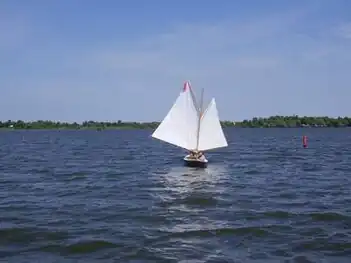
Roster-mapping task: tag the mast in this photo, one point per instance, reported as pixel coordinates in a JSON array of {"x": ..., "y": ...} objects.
[{"x": 199, "y": 119}]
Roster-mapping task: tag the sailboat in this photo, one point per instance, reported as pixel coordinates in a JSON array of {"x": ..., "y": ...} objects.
[{"x": 188, "y": 126}]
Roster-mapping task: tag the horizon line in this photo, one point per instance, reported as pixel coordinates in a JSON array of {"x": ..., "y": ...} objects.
[{"x": 148, "y": 122}]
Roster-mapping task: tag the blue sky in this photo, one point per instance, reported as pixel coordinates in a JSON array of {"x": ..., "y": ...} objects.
[{"x": 109, "y": 60}]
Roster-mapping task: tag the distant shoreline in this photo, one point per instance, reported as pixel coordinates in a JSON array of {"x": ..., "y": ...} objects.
[
  {"x": 133, "y": 128},
  {"x": 269, "y": 122}
]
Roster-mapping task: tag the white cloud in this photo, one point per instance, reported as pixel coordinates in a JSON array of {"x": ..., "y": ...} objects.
[
  {"x": 213, "y": 57},
  {"x": 258, "y": 62},
  {"x": 186, "y": 44},
  {"x": 344, "y": 30}
]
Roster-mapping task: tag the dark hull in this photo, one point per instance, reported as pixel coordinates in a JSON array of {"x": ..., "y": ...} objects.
[{"x": 195, "y": 163}]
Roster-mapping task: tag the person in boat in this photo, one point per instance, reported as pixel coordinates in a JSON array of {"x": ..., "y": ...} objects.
[
  {"x": 200, "y": 156},
  {"x": 197, "y": 155},
  {"x": 193, "y": 154}
]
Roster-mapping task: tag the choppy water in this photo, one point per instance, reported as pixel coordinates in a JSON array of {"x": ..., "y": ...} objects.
[{"x": 119, "y": 196}]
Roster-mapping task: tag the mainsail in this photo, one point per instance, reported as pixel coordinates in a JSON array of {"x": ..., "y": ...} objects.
[{"x": 181, "y": 126}]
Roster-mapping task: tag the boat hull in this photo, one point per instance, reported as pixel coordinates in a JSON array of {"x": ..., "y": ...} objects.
[{"x": 192, "y": 162}]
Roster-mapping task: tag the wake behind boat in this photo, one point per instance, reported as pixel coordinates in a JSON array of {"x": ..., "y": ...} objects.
[{"x": 190, "y": 127}]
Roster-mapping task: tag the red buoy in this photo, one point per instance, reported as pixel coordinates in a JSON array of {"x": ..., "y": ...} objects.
[{"x": 304, "y": 141}]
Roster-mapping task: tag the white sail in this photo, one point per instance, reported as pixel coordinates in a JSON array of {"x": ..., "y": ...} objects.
[
  {"x": 179, "y": 127},
  {"x": 211, "y": 135}
]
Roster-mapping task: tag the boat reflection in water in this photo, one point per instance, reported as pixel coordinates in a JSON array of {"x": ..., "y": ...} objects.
[
  {"x": 195, "y": 178},
  {"x": 184, "y": 198},
  {"x": 182, "y": 182}
]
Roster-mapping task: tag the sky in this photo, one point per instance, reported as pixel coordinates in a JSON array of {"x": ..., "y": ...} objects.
[{"x": 128, "y": 59}]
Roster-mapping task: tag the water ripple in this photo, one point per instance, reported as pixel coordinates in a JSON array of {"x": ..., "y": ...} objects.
[{"x": 119, "y": 196}]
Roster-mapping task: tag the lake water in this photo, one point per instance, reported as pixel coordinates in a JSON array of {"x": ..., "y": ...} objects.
[{"x": 120, "y": 196}]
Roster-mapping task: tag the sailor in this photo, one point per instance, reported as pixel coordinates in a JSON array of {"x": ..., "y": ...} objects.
[
  {"x": 193, "y": 154},
  {"x": 196, "y": 155},
  {"x": 200, "y": 156}
]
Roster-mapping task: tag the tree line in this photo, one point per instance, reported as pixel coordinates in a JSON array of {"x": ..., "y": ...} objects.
[
  {"x": 296, "y": 121},
  {"x": 273, "y": 121}
]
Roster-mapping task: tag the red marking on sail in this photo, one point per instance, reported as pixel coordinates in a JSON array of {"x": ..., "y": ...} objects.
[{"x": 186, "y": 86}]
